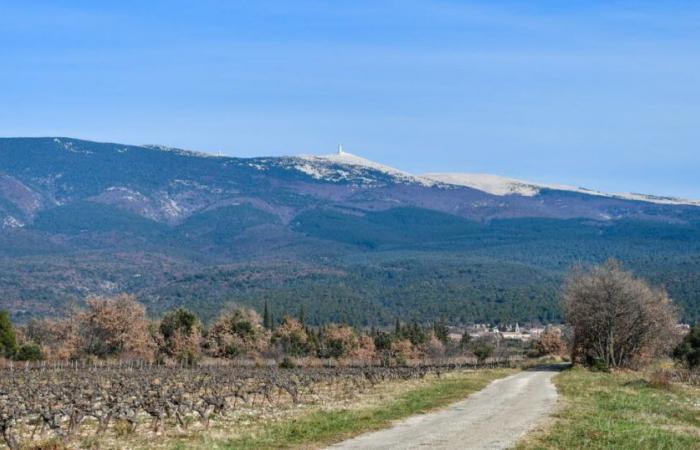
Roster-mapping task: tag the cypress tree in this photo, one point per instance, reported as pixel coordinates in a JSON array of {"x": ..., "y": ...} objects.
[
  {"x": 267, "y": 319},
  {"x": 441, "y": 331},
  {"x": 397, "y": 327},
  {"x": 302, "y": 316},
  {"x": 8, "y": 340}
]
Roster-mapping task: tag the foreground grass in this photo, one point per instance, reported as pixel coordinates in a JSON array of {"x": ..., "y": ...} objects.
[
  {"x": 620, "y": 411},
  {"x": 322, "y": 427}
]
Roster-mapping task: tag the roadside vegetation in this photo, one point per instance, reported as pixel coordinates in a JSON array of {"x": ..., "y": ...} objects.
[
  {"x": 117, "y": 328},
  {"x": 621, "y": 410},
  {"x": 624, "y": 392}
]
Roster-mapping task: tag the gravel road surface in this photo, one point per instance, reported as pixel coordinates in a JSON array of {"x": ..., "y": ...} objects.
[{"x": 493, "y": 418}]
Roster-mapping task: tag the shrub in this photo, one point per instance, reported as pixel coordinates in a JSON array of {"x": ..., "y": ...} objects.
[
  {"x": 180, "y": 336},
  {"x": 337, "y": 341},
  {"x": 180, "y": 320},
  {"x": 29, "y": 352},
  {"x": 660, "y": 379},
  {"x": 382, "y": 341},
  {"x": 599, "y": 365},
  {"x": 688, "y": 351},
  {"x": 617, "y": 319},
  {"x": 402, "y": 351},
  {"x": 364, "y": 350},
  {"x": 237, "y": 332},
  {"x": 550, "y": 343},
  {"x": 482, "y": 352},
  {"x": 291, "y": 337}
]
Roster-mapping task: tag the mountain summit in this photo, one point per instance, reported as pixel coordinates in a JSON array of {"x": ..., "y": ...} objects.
[{"x": 168, "y": 185}]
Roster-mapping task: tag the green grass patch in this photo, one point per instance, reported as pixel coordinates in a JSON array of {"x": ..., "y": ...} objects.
[
  {"x": 323, "y": 427},
  {"x": 620, "y": 411}
]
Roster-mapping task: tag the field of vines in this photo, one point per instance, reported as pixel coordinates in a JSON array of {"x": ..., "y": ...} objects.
[{"x": 44, "y": 402}]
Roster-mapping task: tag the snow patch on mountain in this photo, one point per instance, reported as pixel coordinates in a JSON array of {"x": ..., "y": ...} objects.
[
  {"x": 346, "y": 166},
  {"x": 492, "y": 184},
  {"x": 71, "y": 147},
  {"x": 124, "y": 193},
  {"x": 170, "y": 208},
  {"x": 497, "y": 185},
  {"x": 11, "y": 222},
  {"x": 181, "y": 152},
  {"x": 343, "y": 166}
]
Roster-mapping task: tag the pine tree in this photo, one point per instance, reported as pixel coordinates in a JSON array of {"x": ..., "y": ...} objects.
[{"x": 416, "y": 334}]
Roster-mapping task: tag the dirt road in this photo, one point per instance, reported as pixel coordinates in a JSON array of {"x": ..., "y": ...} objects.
[{"x": 493, "y": 418}]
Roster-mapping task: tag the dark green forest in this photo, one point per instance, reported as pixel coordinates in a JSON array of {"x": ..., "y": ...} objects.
[{"x": 365, "y": 270}]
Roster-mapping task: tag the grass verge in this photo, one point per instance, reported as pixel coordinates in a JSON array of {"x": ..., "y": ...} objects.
[
  {"x": 620, "y": 410},
  {"x": 322, "y": 427}
]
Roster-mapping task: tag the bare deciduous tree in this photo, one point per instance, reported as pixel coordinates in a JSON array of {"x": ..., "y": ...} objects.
[
  {"x": 115, "y": 326},
  {"x": 617, "y": 319}
]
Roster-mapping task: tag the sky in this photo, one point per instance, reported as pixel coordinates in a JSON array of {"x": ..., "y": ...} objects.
[{"x": 601, "y": 94}]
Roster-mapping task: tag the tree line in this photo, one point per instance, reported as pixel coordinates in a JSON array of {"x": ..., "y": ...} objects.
[
  {"x": 613, "y": 319},
  {"x": 118, "y": 328}
]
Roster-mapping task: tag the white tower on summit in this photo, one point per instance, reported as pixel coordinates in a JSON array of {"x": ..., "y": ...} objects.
[{"x": 340, "y": 149}]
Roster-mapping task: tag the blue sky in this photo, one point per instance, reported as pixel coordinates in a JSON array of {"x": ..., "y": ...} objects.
[{"x": 599, "y": 94}]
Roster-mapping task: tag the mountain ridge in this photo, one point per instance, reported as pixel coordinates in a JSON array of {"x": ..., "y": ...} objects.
[
  {"x": 489, "y": 183},
  {"x": 168, "y": 184}
]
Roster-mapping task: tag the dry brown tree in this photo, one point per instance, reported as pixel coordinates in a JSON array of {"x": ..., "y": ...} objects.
[
  {"x": 291, "y": 338},
  {"x": 338, "y": 341},
  {"x": 59, "y": 338},
  {"x": 618, "y": 320},
  {"x": 403, "y": 351},
  {"x": 115, "y": 326},
  {"x": 550, "y": 343},
  {"x": 237, "y": 332}
]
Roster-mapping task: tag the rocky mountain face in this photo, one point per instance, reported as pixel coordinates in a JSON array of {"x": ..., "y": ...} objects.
[
  {"x": 81, "y": 217},
  {"x": 170, "y": 185}
]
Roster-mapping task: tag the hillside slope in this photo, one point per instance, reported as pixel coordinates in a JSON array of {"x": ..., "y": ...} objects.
[{"x": 349, "y": 238}]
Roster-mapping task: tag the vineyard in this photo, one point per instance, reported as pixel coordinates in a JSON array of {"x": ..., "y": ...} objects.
[{"x": 62, "y": 402}]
